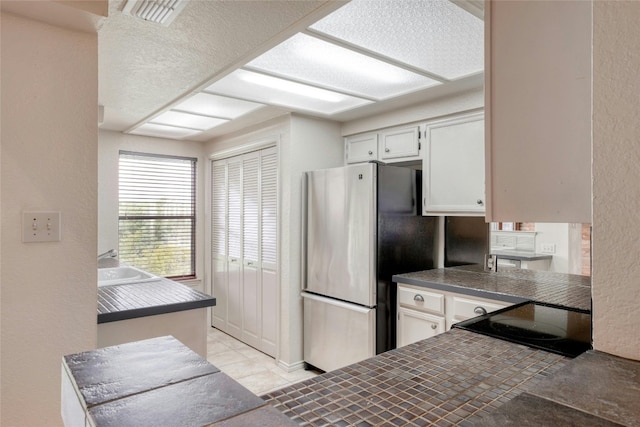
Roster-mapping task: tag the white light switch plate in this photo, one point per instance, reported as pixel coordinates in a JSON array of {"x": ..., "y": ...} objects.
[
  {"x": 40, "y": 227},
  {"x": 548, "y": 248}
]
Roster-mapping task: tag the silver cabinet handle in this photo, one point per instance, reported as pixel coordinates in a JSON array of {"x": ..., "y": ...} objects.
[
  {"x": 434, "y": 326},
  {"x": 370, "y": 153},
  {"x": 418, "y": 298},
  {"x": 233, "y": 260},
  {"x": 479, "y": 310},
  {"x": 386, "y": 150},
  {"x": 479, "y": 202},
  {"x": 249, "y": 262}
]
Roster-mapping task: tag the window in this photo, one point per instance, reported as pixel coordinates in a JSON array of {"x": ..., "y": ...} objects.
[{"x": 157, "y": 220}]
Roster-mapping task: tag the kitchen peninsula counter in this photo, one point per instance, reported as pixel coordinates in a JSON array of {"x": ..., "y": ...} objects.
[
  {"x": 458, "y": 378},
  {"x": 130, "y": 301},
  {"x": 136, "y": 311},
  {"x": 133, "y": 300},
  {"x": 509, "y": 285}
]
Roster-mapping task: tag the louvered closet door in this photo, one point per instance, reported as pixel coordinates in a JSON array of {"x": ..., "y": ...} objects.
[
  {"x": 234, "y": 245},
  {"x": 219, "y": 242},
  {"x": 269, "y": 247},
  {"x": 250, "y": 247}
]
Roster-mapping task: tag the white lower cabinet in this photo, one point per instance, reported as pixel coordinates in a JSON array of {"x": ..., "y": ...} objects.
[
  {"x": 425, "y": 312},
  {"x": 414, "y": 325}
]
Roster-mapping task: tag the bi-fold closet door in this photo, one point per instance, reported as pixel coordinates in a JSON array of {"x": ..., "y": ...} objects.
[{"x": 244, "y": 247}]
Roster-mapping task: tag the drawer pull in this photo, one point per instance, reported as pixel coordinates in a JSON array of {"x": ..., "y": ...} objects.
[
  {"x": 418, "y": 298},
  {"x": 386, "y": 150},
  {"x": 370, "y": 153},
  {"x": 434, "y": 326},
  {"x": 480, "y": 311}
]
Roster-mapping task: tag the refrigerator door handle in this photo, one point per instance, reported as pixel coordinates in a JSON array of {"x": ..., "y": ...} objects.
[{"x": 337, "y": 303}]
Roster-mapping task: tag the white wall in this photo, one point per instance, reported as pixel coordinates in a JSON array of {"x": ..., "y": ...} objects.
[
  {"x": 49, "y": 159},
  {"x": 469, "y": 100},
  {"x": 616, "y": 178},
  {"x": 558, "y": 234},
  {"x": 109, "y": 146},
  {"x": 303, "y": 144}
]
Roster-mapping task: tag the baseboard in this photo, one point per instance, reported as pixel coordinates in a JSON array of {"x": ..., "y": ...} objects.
[{"x": 291, "y": 367}]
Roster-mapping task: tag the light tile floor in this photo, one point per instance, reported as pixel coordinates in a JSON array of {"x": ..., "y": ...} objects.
[{"x": 250, "y": 367}]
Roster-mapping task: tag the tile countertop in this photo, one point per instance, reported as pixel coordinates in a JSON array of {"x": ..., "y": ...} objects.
[
  {"x": 453, "y": 378},
  {"x": 460, "y": 378},
  {"x": 510, "y": 285},
  {"x": 133, "y": 300},
  {"x": 157, "y": 382}
]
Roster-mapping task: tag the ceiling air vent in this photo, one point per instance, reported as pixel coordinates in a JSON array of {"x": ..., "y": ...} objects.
[{"x": 158, "y": 11}]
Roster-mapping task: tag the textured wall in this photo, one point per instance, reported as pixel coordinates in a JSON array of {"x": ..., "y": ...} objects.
[
  {"x": 616, "y": 178},
  {"x": 49, "y": 160}
]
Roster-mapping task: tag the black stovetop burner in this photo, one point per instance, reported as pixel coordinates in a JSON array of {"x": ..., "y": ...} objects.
[{"x": 561, "y": 330}]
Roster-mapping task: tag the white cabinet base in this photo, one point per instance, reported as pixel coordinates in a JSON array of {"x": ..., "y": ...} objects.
[
  {"x": 188, "y": 326},
  {"x": 414, "y": 326}
]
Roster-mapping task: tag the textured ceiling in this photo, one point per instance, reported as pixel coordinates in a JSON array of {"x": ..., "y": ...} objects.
[{"x": 145, "y": 66}]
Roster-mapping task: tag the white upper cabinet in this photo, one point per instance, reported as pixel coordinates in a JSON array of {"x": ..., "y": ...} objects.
[
  {"x": 538, "y": 111},
  {"x": 362, "y": 148},
  {"x": 453, "y": 168},
  {"x": 397, "y": 143},
  {"x": 392, "y": 145}
]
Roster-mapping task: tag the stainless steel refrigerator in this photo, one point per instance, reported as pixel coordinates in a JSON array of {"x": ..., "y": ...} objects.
[{"x": 363, "y": 225}]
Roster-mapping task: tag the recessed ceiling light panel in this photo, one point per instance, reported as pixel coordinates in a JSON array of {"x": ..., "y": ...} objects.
[
  {"x": 187, "y": 120},
  {"x": 162, "y": 131},
  {"x": 217, "y": 106},
  {"x": 306, "y": 58},
  {"x": 435, "y": 35},
  {"x": 281, "y": 92}
]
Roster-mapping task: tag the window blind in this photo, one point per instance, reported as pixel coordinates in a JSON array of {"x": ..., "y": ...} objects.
[{"x": 157, "y": 203}]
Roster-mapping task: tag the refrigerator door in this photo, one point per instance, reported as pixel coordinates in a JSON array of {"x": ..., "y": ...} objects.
[
  {"x": 336, "y": 334},
  {"x": 341, "y": 233}
]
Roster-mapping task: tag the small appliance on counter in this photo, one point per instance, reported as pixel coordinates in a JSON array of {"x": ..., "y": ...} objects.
[
  {"x": 363, "y": 226},
  {"x": 560, "y": 330}
]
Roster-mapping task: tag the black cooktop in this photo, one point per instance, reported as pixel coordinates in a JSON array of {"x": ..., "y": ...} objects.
[{"x": 561, "y": 330}]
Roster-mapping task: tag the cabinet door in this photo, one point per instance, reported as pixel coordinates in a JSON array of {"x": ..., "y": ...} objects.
[
  {"x": 415, "y": 326},
  {"x": 234, "y": 236},
  {"x": 250, "y": 239},
  {"x": 362, "y": 148},
  {"x": 400, "y": 143},
  {"x": 453, "y": 170},
  {"x": 219, "y": 242},
  {"x": 268, "y": 250},
  {"x": 538, "y": 102}
]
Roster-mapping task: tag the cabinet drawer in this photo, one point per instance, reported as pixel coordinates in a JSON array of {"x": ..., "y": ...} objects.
[
  {"x": 464, "y": 308},
  {"x": 419, "y": 299}
]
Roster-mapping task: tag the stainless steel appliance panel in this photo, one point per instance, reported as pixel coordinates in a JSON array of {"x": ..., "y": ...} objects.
[
  {"x": 336, "y": 334},
  {"x": 341, "y": 239}
]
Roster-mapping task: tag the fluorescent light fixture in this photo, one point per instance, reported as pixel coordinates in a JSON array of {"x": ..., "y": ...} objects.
[
  {"x": 162, "y": 131},
  {"x": 435, "y": 35},
  {"x": 208, "y": 104},
  {"x": 306, "y": 58},
  {"x": 187, "y": 120},
  {"x": 292, "y": 87},
  {"x": 270, "y": 90}
]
